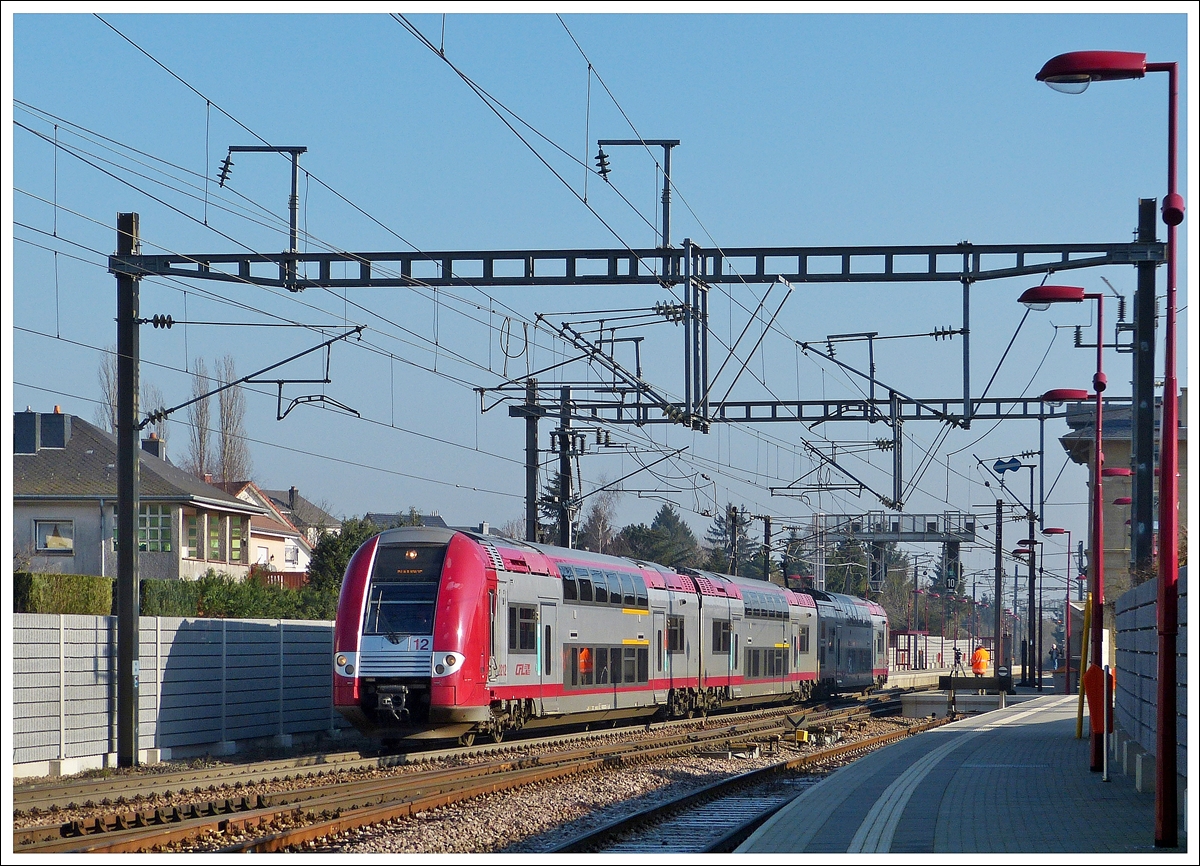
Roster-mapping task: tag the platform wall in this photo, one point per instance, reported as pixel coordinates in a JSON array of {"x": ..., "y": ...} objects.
[
  {"x": 205, "y": 684},
  {"x": 1136, "y": 700}
]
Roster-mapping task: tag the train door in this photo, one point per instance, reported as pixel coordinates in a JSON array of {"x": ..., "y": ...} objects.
[
  {"x": 735, "y": 649},
  {"x": 498, "y": 669},
  {"x": 839, "y": 666},
  {"x": 661, "y": 658},
  {"x": 549, "y": 675},
  {"x": 791, "y": 632}
]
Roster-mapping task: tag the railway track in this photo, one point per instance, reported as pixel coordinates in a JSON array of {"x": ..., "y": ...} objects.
[
  {"x": 718, "y": 817},
  {"x": 312, "y": 806}
]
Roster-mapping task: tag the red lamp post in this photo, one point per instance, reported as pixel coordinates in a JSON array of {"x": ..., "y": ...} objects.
[
  {"x": 1072, "y": 73},
  {"x": 1040, "y": 298},
  {"x": 1058, "y": 530}
]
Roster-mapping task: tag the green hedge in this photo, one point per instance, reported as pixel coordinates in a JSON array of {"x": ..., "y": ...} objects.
[
  {"x": 213, "y": 595},
  {"x": 84, "y": 594},
  {"x": 169, "y": 597}
]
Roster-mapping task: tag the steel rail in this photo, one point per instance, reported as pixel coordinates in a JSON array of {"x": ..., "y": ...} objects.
[{"x": 595, "y": 839}]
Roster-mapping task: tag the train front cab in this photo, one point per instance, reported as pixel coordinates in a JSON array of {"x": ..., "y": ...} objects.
[{"x": 410, "y": 641}]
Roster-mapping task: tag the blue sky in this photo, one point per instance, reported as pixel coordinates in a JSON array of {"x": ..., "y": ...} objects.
[{"x": 796, "y": 129}]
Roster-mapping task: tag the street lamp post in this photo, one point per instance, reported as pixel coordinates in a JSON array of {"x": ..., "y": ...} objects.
[
  {"x": 1058, "y": 530},
  {"x": 1040, "y": 298},
  {"x": 1073, "y": 72}
]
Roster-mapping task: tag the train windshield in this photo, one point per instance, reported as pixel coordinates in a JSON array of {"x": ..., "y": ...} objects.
[{"x": 404, "y": 585}]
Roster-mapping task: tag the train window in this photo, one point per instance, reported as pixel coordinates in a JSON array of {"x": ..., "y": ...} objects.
[
  {"x": 601, "y": 665},
  {"x": 643, "y": 664},
  {"x": 803, "y": 639},
  {"x": 570, "y": 590},
  {"x": 660, "y": 650},
  {"x": 585, "y": 587},
  {"x": 601, "y": 587},
  {"x": 753, "y": 662},
  {"x": 630, "y": 671},
  {"x": 795, "y": 660},
  {"x": 629, "y": 598},
  {"x": 614, "y": 589},
  {"x": 522, "y": 629},
  {"x": 408, "y": 562},
  {"x": 400, "y": 608},
  {"x": 571, "y": 665},
  {"x": 546, "y": 653},
  {"x": 639, "y": 588},
  {"x": 675, "y": 634},
  {"x": 735, "y": 648},
  {"x": 721, "y": 636},
  {"x": 617, "y": 663}
]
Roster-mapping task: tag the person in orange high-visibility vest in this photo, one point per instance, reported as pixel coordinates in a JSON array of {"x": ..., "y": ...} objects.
[
  {"x": 979, "y": 661},
  {"x": 585, "y": 666}
]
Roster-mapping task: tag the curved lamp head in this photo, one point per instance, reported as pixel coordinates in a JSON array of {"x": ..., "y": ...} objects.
[
  {"x": 1117, "y": 472},
  {"x": 1123, "y": 500},
  {"x": 1054, "y": 530},
  {"x": 1041, "y": 297},
  {"x": 1073, "y": 72},
  {"x": 1058, "y": 396}
]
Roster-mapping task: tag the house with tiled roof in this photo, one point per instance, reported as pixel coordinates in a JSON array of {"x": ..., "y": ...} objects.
[
  {"x": 275, "y": 543},
  {"x": 65, "y": 504},
  {"x": 310, "y": 518}
]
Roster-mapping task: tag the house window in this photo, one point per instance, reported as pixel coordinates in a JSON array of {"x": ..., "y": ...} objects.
[
  {"x": 264, "y": 556},
  {"x": 55, "y": 536},
  {"x": 154, "y": 528},
  {"x": 215, "y": 549},
  {"x": 195, "y": 536},
  {"x": 291, "y": 554},
  {"x": 236, "y": 542}
]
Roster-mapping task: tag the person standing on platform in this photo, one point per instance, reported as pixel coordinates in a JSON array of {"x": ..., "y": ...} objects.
[{"x": 979, "y": 662}]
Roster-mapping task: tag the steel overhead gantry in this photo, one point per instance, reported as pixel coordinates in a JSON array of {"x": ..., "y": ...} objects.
[{"x": 694, "y": 268}]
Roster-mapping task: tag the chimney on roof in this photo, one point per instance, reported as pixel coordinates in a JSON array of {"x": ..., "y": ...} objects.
[
  {"x": 55, "y": 429},
  {"x": 292, "y": 499},
  {"x": 208, "y": 478},
  {"x": 27, "y": 432},
  {"x": 154, "y": 445}
]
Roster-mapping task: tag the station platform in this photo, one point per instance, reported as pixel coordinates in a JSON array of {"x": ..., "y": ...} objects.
[{"x": 1013, "y": 779}]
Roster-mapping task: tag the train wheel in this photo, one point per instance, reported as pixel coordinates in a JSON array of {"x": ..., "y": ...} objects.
[
  {"x": 498, "y": 735},
  {"x": 467, "y": 739}
]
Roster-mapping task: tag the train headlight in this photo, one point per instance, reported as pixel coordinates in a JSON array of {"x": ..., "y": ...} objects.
[
  {"x": 345, "y": 663},
  {"x": 447, "y": 664}
]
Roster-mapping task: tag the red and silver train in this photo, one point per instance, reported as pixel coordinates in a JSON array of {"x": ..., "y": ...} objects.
[{"x": 443, "y": 633}]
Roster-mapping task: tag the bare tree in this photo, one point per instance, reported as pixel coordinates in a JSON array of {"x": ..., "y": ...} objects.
[
  {"x": 106, "y": 412},
  {"x": 514, "y": 528},
  {"x": 597, "y": 531},
  {"x": 152, "y": 401},
  {"x": 199, "y": 460},
  {"x": 106, "y": 375},
  {"x": 233, "y": 454}
]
